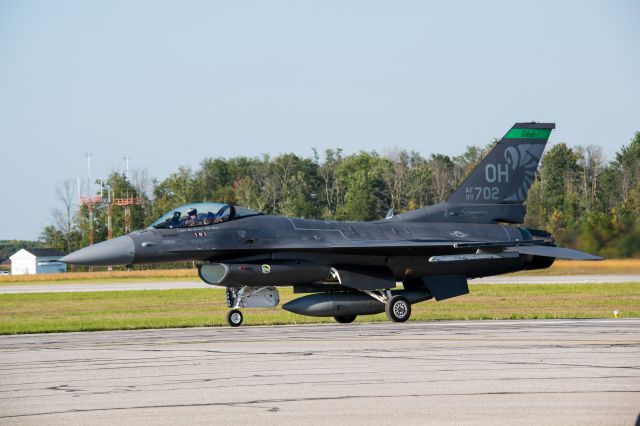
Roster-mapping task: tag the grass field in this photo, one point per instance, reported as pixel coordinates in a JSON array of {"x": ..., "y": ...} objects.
[
  {"x": 560, "y": 267},
  {"x": 52, "y": 312}
]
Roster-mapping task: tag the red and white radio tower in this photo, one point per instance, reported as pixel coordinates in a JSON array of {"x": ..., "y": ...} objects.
[
  {"x": 126, "y": 203},
  {"x": 90, "y": 200}
]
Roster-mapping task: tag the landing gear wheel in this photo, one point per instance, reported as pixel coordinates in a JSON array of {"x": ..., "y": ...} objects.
[
  {"x": 345, "y": 319},
  {"x": 234, "y": 318},
  {"x": 398, "y": 309}
]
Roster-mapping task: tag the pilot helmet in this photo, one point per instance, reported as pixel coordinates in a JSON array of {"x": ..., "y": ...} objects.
[{"x": 192, "y": 212}]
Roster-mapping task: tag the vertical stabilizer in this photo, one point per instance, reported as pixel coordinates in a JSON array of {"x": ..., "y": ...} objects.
[
  {"x": 505, "y": 175},
  {"x": 496, "y": 189}
]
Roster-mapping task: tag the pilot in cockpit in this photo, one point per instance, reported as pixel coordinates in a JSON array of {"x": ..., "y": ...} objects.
[{"x": 192, "y": 217}]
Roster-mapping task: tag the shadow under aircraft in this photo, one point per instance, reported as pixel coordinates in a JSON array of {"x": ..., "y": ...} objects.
[{"x": 348, "y": 269}]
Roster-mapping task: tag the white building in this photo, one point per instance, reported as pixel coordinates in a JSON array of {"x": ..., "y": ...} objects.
[{"x": 37, "y": 261}]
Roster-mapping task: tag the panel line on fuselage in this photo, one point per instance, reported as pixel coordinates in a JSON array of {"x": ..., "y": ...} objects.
[{"x": 296, "y": 228}]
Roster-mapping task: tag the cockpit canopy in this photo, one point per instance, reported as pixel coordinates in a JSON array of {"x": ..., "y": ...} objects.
[{"x": 201, "y": 214}]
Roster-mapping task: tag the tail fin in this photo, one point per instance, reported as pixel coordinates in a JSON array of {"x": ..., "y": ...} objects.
[
  {"x": 496, "y": 189},
  {"x": 505, "y": 175}
]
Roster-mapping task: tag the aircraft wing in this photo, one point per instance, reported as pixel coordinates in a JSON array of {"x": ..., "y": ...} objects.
[
  {"x": 425, "y": 247},
  {"x": 532, "y": 247}
]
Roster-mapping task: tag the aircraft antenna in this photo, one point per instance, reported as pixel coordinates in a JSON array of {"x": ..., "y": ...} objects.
[
  {"x": 126, "y": 166},
  {"x": 89, "y": 200},
  {"x": 88, "y": 157}
]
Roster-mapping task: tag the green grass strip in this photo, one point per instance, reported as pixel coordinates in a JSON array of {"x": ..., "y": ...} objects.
[{"x": 119, "y": 310}]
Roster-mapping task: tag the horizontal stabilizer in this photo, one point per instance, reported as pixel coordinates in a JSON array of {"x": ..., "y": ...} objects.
[
  {"x": 556, "y": 252},
  {"x": 446, "y": 286}
]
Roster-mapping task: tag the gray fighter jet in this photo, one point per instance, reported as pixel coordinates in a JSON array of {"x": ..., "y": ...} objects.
[{"x": 353, "y": 268}]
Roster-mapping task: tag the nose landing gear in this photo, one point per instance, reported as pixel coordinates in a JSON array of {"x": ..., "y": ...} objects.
[
  {"x": 249, "y": 297},
  {"x": 234, "y": 318}
]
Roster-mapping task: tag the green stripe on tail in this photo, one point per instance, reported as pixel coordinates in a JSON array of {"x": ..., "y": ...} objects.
[{"x": 527, "y": 134}]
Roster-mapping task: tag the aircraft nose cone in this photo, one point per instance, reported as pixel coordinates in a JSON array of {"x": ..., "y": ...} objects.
[{"x": 119, "y": 251}]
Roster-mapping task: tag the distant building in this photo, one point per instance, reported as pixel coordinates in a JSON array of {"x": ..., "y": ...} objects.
[{"x": 37, "y": 261}]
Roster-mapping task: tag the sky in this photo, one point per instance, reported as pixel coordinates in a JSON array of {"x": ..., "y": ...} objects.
[{"x": 170, "y": 83}]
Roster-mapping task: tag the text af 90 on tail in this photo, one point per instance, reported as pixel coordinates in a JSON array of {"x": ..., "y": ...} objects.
[{"x": 348, "y": 269}]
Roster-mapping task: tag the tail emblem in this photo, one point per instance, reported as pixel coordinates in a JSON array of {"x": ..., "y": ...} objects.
[{"x": 526, "y": 157}]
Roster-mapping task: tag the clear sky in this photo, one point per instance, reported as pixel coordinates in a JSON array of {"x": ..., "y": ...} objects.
[{"x": 169, "y": 83}]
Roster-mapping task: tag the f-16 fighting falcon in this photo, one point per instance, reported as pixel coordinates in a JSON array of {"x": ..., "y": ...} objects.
[{"x": 348, "y": 269}]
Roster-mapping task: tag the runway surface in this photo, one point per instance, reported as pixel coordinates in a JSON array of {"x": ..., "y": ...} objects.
[
  {"x": 475, "y": 372},
  {"x": 90, "y": 287},
  {"x": 169, "y": 285}
]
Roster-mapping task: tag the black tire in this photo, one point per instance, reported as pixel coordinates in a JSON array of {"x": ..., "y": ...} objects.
[
  {"x": 234, "y": 318},
  {"x": 345, "y": 319},
  {"x": 398, "y": 309}
]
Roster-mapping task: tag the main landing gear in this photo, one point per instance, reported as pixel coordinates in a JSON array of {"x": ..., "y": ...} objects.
[
  {"x": 397, "y": 308},
  {"x": 345, "y": 319}
]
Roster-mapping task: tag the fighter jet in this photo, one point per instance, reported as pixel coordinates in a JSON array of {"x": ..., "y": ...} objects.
[{"x": 348, "y": 269}]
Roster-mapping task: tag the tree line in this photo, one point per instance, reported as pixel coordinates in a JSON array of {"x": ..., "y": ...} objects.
[{"x": 587, "y": 202}]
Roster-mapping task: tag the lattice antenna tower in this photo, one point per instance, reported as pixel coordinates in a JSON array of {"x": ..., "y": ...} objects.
[
  {"x": 89, "y": 200},
  {"x": 126, "y": 203},
  {"x": 126, "y": 166}
]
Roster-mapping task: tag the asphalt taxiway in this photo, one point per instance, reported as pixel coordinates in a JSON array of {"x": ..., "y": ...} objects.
[
  {"x": 472, "y": 372},
  {"x": 63, "y": 287}
]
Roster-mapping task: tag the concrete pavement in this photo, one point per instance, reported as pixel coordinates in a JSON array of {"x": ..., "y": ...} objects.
[{"x": 471, "y": 372}]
